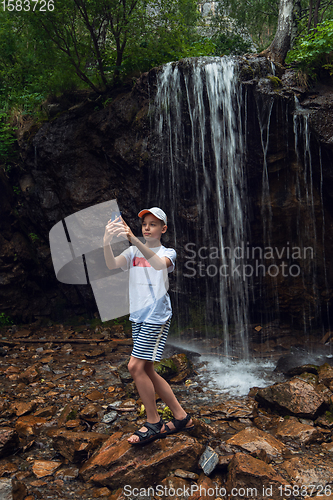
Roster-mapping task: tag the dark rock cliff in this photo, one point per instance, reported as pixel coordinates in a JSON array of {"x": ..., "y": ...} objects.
[{"x": 88, "y": 154}]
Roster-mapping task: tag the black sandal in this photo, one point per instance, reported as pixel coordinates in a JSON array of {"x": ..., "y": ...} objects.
[
  {"x": 153, "y": 432},
  {"x": 179, "y": 425}
]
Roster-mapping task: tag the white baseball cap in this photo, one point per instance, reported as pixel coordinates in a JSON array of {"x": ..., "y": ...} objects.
[{"x": 158, "y": 212}]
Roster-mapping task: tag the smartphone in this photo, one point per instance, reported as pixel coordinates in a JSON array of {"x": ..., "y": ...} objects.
[{"x": 114, "y": 215}]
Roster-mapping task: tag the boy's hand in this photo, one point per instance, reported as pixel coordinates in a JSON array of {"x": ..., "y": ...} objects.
[
  {"x": 127, "y": 231},
  {"x": 113, "y": 228}
]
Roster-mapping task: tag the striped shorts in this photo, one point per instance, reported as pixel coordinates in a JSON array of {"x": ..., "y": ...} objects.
[{"x": 149, "y": 340}]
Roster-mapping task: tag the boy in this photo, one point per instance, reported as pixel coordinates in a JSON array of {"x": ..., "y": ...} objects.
[{"x": 151, "y": 312}]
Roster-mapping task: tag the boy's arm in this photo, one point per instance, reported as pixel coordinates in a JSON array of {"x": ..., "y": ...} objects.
[
  {"x": 111, "y": 261},
  {"x": 154, "y": 260}
]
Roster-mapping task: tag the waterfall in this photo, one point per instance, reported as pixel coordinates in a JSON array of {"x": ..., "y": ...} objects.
[
  {"x": 198, "y": 151},
  {"x": 306, "y": 223}
]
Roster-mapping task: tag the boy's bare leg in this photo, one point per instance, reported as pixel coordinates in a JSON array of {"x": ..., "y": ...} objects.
[
  {"x": 165, "y": 392},
  {"x": 146, "y": 390}
]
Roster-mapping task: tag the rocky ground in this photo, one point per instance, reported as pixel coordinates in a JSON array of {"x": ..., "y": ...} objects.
[{"x": 68, "y": 405}]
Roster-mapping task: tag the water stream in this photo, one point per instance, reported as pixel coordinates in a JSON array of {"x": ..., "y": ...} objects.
[{"x": 199, "y": 150}]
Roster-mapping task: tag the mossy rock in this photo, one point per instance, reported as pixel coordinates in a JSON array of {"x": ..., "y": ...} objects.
[
  {"x": 311, "y": 378},
  {"x": 246, "y": 73},
  {"x": 275, "y": 81},
  {"x": 329, "y": 416},
  {"x": 166, "y": 368}
]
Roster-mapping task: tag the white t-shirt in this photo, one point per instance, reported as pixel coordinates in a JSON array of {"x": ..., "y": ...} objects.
[{"x": 149, "y": 300}]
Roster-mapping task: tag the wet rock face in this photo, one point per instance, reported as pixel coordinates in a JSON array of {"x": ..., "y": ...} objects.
[{"x": 90, "y": 154}]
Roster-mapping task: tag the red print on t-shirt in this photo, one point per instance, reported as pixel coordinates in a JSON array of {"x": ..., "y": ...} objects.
[{"x": 140, "y": 262}]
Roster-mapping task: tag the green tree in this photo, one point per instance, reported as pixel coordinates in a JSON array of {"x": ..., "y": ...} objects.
[
  {"x": 102, "y": 38},
  {"x": 314, "y": 50},
  {"x": 257, "y": 18},
  {"x": 260, "y": 17}
]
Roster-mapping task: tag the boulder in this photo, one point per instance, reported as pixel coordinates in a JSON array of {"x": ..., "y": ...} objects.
[
  {"x": 118, "y": 462},
  {"x": 76, "y": 446},
  {"x": 325, "y": 374},
  {"x": 30, "y": 374},
  {"x": 42, "y": 468},
  {"x": 307, "y": 470},
  {"x": 296, "y": 396},
  {"x": 292, "y": 430},
  {"x": 29, "y": 425},
  {"x": 22, "y": 408},
  {"x": 249, "y": 477},
  {"x": 255, "y": 440},
  {"x": 232, "y": 409}
]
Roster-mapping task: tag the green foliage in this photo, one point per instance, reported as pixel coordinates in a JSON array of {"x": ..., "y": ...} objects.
[
  {"x": 257, "y": 18},
  {"x": 229, "y": 43},
  {"x": 7, "y": 138},
  {"x": 34, "y": 238},
  {"x": 314, "y": 51},
  {"x": 5, "y": 320},
  {"x": 165, "y": 413},
  {"x": 91, "y": 43}
]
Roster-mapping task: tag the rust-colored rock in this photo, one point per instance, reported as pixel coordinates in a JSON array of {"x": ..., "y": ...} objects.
[
  {"x": 68, "y": 473},
  {"x": 76, "y": 446},
  {"x": 232, "y": 409},
  {"x": 310, "y": 470},
  {"x": 76, "y": 425},
  {"x": 90, "y": 411},
  {"x": 95, "y": 353},
  {"x": 102, "y": 493},
  {"x": 325, "y": 374},
  {"x": 22, "y": 408},
  {"x": 70, "y": 410},
  {"x": 292, "y": 430},
  {"x": 47, "y": 411},
  {"x": 95, "y": 396},
  {"x": 295, "y": 396},
  {"x": 42, "y": 468},
  {"x": 254, "y": 440},
  {"x": 12, "y": 370},
  {"x": 250, "y": 478},
  {"x": 9, "y": 441},
  {"x": 29, "y": 425},
  {"x": 30, "y": 374},
  {"x": 8, "y": 469},
  {"x": 174, "y": 484},
  {"x": 185, "y": 474},
  {"x": 118, "y": 462},
  {"x": 207, "y": 489}
]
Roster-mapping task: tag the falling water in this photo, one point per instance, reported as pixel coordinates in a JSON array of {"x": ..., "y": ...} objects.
[
  {"x": 198, "y": 150},
  {"x": 307, "y": 230}
]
